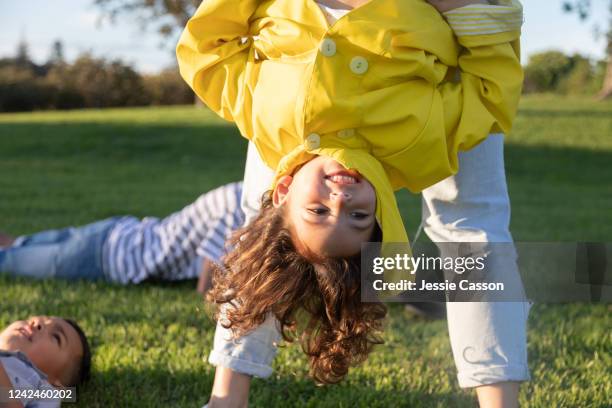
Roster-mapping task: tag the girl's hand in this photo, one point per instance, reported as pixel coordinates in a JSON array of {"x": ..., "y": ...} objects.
[{"x": 446, "y": 5}]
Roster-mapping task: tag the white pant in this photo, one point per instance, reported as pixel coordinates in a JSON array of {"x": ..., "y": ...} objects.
[{"x": 488, "y": 339}]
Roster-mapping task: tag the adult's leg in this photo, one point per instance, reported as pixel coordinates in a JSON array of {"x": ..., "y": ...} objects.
[
  {"x": 488, "y": 338},
  {"x": 69, "y": 253},
  {"x": 257, "y": 180}
]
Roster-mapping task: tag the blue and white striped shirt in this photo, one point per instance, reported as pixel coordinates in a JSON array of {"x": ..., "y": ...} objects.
[{"x": 172, "y": 248}]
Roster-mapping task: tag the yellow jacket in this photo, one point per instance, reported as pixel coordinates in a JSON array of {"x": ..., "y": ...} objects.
[{"x": 388, "y": 89}]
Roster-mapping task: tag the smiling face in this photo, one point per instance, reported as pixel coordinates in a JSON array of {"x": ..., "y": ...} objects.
[
  {"x": 331, "y": 210},
  {"x": 51, "y": 343}
]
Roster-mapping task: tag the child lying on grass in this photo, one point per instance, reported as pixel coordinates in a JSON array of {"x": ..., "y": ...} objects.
[
  {"x": 127, "y": 250},
  {"x": 41, "y": 353}
]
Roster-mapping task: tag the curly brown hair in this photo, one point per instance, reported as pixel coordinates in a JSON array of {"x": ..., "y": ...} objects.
[{"x": 264, "y": 273}]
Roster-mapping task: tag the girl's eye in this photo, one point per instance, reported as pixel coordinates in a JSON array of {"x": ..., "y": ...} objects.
[
  {"x": 57, "y": 338},
  {"x": 317, "y": 211},
  {"x": 359, "y": 215}
]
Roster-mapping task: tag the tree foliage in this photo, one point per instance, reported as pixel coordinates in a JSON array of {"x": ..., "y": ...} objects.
[
  {"x": 584, "y": 9},
  {"x": 545, "y": 71},
  {"x": 167, "y": 88},
  {"x": 167, "y": 16},
  {"x": 555, "y": 72},
  {"x": 88, "y": 82}
]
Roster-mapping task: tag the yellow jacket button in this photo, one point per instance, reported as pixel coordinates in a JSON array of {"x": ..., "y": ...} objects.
[
  {"x": 346, "y": 133},
  {"x": 313, "y": 141},
  {"x": 359, "y": 65},
  {"x": 328, "y": 47}
]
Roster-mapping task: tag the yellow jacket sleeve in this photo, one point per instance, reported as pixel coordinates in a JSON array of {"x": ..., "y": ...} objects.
[
  {"x": 213, "y": 57},
  {"x": 485, "y": 97}
]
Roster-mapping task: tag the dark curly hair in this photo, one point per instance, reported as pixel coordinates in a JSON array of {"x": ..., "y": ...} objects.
[
  {"x": 264, "y": 273},
  {"x": 82, "y": 370}
]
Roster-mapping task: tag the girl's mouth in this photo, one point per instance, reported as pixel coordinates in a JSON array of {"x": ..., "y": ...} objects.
[{"x": 343, "y": 177}]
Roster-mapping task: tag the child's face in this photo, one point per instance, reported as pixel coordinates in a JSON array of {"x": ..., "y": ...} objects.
[
  {"x": 52, "y": 344},
  {"x": 331, "y": 210}
]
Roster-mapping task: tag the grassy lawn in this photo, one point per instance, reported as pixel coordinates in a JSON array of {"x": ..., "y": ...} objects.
[{"x": 151, "y": 341}]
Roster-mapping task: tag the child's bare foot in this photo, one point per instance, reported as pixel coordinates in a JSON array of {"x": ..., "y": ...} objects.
[{"x": 6, "y": 240}]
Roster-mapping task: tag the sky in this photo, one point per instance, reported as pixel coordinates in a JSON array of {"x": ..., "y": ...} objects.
[{"x": 74, "y": 22}]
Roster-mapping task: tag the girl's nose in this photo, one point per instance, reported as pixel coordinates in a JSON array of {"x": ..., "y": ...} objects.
[{"x": 340, "y": 195}]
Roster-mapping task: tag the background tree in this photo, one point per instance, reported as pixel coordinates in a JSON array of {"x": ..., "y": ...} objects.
[
  {"x": 556, "y": 72},
  {"x": 22, "y": 58},
  {"x": 168, "y": 16},
  {"x": 101, "y": 83},
  {"x": 57, "y": 53},
  {"x": 167, "y": 88},
  {"x": 584, "y": 9},
  {"x": 545, "y": 71}
]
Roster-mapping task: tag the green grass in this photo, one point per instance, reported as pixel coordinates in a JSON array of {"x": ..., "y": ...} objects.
[{"x": 151, "y": 341}]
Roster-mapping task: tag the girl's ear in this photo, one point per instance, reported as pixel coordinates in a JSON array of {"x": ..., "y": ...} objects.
[{"x": 281, "y": 191}]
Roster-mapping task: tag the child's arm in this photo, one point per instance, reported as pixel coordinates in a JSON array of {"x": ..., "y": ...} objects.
[
  {"x": 230, "y": 389},
  {"x": 5, "y": 385},
  {"x": 485, "y": 97},
  {"x": 212, "y": 55}
]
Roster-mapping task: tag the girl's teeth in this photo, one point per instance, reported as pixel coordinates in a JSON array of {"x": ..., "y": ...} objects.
[{"x": 343, "y": 179}]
